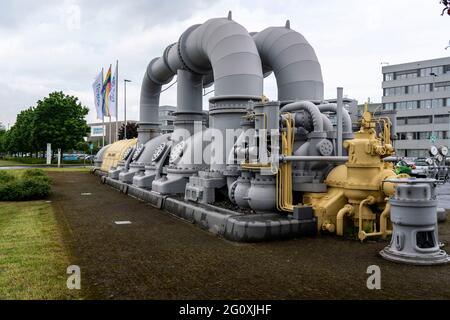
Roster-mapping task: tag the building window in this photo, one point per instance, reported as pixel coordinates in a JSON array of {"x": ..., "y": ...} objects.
[
  {"x": 413, "y": 89},
  {"x": 442, "y": 86},
  {"x": 388, "y": 106},
  {"x": 406, "y": 74},
  {"x": 389, "y": 76},
  {"x": 401, "y": 121},
  {"x": 425, "y": 104},
  {"x": 437, "y": 70},
  {"x": 400, "y": 91},
  {"x": 419, "y": 120},
  {"x": 441, "y": 118},
  {"x": 447, "y": 69},
  {"x": 424, "y": 87},
  {"x": 400, "y": 105},
  {"x": 437, "y": 103},
  {"x": 423, "y": 135},
  {"x": 410, "y": 105},
  {"x": 425, "y": 72},
  {"x": 442, "y": 134},
  {"x": 389, "y": 92}
]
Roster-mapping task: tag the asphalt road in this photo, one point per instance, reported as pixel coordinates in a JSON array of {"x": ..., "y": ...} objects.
[{"x": 158, "y": 256}]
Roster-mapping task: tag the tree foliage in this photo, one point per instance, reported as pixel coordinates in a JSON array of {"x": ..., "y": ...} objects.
[
  {"x": 131, "y": 130},
  {"x": 58, "y": 119}
]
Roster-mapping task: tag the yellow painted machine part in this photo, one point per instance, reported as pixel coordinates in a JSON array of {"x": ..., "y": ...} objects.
[
  {"x": 356, "y": 190},
  {"x": 284, "y": 177},
  {"x": 114, "y": 153}
]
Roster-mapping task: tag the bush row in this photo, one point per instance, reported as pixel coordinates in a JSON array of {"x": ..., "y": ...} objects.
[{"x": 32, "y": 184}]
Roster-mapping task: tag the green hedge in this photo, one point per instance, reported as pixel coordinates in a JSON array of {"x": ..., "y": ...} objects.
[{"x": 32, "y": 184}]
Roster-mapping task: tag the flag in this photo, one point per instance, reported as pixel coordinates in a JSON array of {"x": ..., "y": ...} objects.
[
  {"x": 106, "y": 91},
  {"x": 112, "y": 94},
  {"x": 97, "y": 86}
]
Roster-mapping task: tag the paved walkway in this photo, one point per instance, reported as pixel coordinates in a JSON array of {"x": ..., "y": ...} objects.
[{"x": 158, "y": 256}]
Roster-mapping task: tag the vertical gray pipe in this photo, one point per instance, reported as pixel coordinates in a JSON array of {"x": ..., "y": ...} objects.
[
  {"x": 227, "y": 48},
  {"x": 189, "y": 100},
  {"x": 340, "y": 106}
]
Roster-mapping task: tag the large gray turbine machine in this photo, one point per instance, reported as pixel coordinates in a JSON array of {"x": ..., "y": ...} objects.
[{"x": 196, "y": 172}]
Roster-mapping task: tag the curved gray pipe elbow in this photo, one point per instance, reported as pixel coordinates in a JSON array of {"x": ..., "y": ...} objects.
[
  {"x": 347, "y": 120},
  {"x": 226, "y": 47},
  {"x": 294, "y": 62},
  {"x": 327, "y": 125},
  {"x": 309, "y": 107},
  {"x": 158, "y": 73}
]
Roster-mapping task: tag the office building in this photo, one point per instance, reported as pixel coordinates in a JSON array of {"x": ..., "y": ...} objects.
[{"x": 419, "y": 92}]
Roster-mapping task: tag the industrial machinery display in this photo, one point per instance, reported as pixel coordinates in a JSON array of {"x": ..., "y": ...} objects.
[{"x": 262, "y": 169}]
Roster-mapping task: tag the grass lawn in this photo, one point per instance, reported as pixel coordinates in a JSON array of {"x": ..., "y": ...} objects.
[
  {"x": 9, "y": 163},
  {"x": 33, "y": 261}
]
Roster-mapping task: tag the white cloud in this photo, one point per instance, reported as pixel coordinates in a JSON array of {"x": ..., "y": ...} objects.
[{"x": 53, "y": 45}]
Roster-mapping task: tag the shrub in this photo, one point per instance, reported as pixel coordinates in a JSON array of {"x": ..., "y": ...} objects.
[
  {"x": 33, "y": 184},
  {"x": 38, "y": 174},
  {"x": 6, "y": 177},
  {"x": 34, "y": 188},
  {"x": 11, "y": 191}
]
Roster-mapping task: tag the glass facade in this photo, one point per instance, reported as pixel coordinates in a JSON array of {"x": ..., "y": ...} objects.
[
  {"x": 428, "y": 100},
  {"x": 417, "y": 104},
  {"x": 422, "y": 135},
  {"x": 414, "y": 73}
]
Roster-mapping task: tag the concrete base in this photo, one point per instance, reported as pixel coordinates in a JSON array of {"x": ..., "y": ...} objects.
[
  {"x": 114, "y": 173},
  {"x": 439, "y": 257},
  {"x": 222, "y": 222},
  {"x": 144, "y": 181},
  {"x": 127, "y": 177}
]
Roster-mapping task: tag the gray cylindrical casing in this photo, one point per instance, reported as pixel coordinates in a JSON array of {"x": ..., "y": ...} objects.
[
  {"x": 262, "y": 194},
  {"x": 227, "y": 48},
  {"x": 293, "y": 61},
  {"x": 189, "y": 101},
  {"x": 414, "y": 219}
]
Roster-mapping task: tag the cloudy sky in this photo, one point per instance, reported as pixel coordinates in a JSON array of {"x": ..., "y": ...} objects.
[{"x": 62, "y": 45}]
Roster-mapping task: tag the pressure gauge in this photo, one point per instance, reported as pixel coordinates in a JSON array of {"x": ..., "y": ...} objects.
[
  {"x": 159, "y": 152},
  {"x": 137, "y": 152},
  {"x": 434, "y": 151},
  {"x": 443, "y": 150},
  {"x": 177, "y": 152},
  {"x": 429, "y": 161},
  {"x": 127, "y": 153},
  {"x": 439, "y": 158}
]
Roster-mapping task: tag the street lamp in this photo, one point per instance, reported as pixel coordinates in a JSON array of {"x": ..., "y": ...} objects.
[{"x": 125, "y": 107}]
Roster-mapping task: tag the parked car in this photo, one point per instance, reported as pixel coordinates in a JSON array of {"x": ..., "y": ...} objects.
[
  {"x": 402, "y": 167},
  {"x": 421, "y": 167},
  {"x": 70, "y": 157}
]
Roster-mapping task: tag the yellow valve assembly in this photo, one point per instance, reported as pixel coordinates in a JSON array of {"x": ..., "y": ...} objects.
[{"x": 356, "y": 195}]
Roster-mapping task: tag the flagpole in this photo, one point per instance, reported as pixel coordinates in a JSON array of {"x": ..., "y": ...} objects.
[
  {"x": 110, "y": 125},
  {"x": 103, "y": 116},
  {"x": 117, "y": 101}
]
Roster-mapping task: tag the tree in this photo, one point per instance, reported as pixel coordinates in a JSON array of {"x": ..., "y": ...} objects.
[
  {"x": 59, "y": 119},
  {"x": 3, "y": 149},
  {"x": 21, "y": 131},
  {"x": 131, "y": 130}
]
